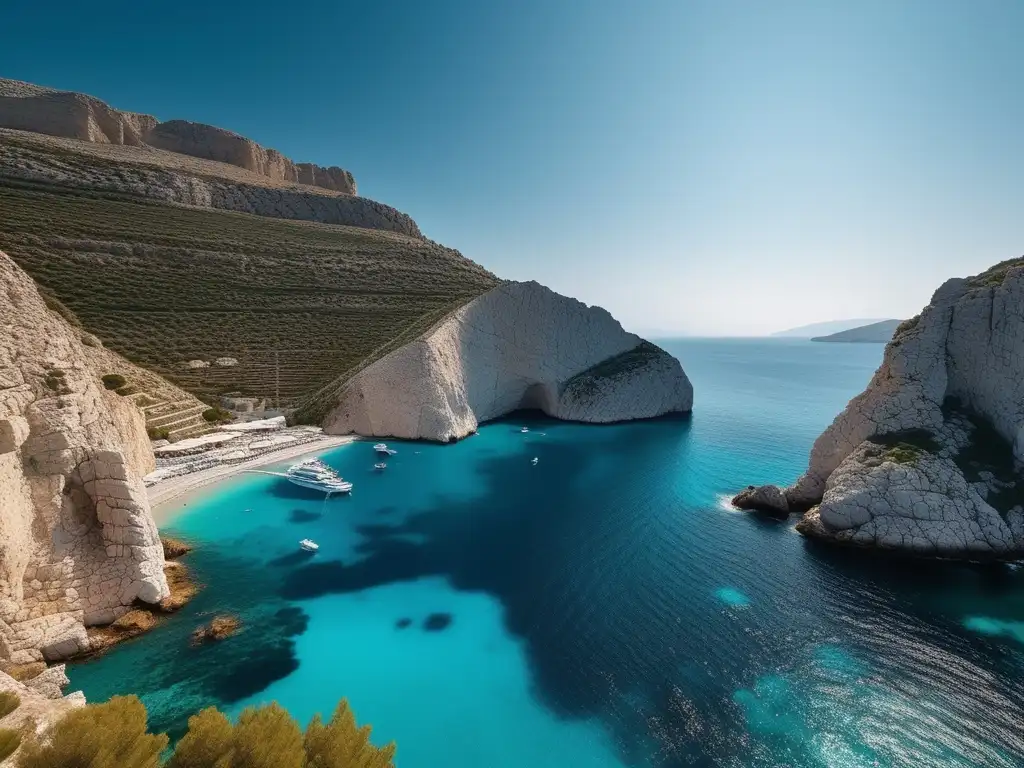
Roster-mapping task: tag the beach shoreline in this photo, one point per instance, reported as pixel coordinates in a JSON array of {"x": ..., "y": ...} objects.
[{"x": 163, "y": 492}]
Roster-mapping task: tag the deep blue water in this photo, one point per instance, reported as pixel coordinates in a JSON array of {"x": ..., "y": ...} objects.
[{"x": 603, "y": 608}]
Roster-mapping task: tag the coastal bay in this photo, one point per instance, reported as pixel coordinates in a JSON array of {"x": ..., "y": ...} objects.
[{"x": 607, "y": 602}]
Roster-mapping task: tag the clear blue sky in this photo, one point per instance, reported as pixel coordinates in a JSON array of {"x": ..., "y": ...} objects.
[{"x": 706, "y": 166}]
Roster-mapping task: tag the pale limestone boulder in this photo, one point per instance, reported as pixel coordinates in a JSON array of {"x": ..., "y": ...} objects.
[
  {"x": 951, "y": 387},
  {"x": 41, "y": 703},
  {"x": 924, "y": 506},
  {"x": 78, "y": 543},
  {"x": 520, "y": 345}
]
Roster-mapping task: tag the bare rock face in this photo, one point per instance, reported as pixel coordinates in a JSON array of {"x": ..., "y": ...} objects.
[
  {"x": 77, "y": 540},
  {"x": 927, "y": 460},
  {"x": 75, "y": 115},
  {"x": 518, "y": 346},
  {"x": 212, "y": 143},
  {"x": 27, "y": 107}
]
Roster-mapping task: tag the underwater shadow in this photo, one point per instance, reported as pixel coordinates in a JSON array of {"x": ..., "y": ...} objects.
[{"x": 550, "y": 560}]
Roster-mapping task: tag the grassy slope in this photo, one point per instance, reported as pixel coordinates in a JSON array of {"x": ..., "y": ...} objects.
[{"x": 164, "y": 284}]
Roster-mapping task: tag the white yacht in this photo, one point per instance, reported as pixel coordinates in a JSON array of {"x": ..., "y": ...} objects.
[
  {"x": 316, "y": 475},
  {"x": 534, "y": 461},
  {"x": 382, "y": 448},
  {"x": 525, "y": 429},
  {"x": 381, "y": 465},
  {"x": 308, "y": 545}
]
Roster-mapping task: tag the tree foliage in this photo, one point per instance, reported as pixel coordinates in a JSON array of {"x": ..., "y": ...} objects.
[
  {"x": 114, "y": 735},
  {"x": 109, "y": 735}
]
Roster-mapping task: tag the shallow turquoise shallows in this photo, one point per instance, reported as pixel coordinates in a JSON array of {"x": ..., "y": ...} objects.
[{"x": 601, "y": 608}]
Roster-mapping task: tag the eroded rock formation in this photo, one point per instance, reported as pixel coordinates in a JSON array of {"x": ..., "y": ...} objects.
[
  {"x": 927, "y": 460},
  {"x": 519, "y": 345},
  {"x": 77, "y": 541},
  {"x": 27, "y": 107}
]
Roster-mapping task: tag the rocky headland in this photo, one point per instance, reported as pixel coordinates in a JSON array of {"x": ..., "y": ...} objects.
[
  {"x": 520, "y": 345},
  {"x": 928, "y": 459}
]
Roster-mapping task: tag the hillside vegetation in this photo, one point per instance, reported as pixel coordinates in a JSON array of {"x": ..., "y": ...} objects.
[{"x": 287, "y": 306}]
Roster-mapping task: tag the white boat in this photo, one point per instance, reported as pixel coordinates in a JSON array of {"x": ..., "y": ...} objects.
[
  {"x": 308, "y": 545},
  {"x": 316, "y": 475},
  {"x": 525, "y": 429},
  {"x": 381, "y": 465},
  {"x": 534, "y": 461},
  {"x": 382, "y": 448}
]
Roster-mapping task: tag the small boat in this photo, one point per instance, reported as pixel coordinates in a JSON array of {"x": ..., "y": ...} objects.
[
  {"x": 534, "y": 461},
  {"x": 525, "y": 429},
  {"x": 308, "y": 545},
  {"x": 316, "y": 475},
  {"x": 380, "y": 465},
  {"x": 382, "y": 448}
]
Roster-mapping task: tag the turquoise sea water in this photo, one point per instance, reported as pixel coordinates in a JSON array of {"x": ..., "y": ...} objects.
[{"x": 604, "y": 608}]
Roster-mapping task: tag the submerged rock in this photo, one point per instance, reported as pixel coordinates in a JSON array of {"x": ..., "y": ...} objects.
[
  {"x": 519, "y": 345},
  {"x": 435, "y": 622},
  {"x": 765, "y": 498},
  {"x": 928, "y": 459},
  {"x": 220, "y": 628}
]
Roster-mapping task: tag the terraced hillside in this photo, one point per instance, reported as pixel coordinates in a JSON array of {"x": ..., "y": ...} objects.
[{"x": 285, "y": 306}]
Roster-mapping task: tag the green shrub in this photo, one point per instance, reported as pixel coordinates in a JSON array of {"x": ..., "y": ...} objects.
[
  {"x": 114, "y": 381},
  {"x": 217, "y": 414},
  {"x": 158, "y": 433},
  {"x": 9, "y": 743},
  {"x": 109, "y": 735},
  {"x": 9, "y": 701}
]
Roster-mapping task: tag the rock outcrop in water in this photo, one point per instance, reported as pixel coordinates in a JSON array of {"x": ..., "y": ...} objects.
[
  {"x": 77, "y": 541},
  {"x": 519, "y": 345},
  {"x": 28, "y": 107},
  {"x": 927, "y": 460}
]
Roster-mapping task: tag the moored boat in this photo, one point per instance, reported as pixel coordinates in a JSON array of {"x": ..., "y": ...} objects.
[
  {"x": 383, "y": 449},
  {"x": 308, "y": 545},
  {"x": 317, "y": 476}
]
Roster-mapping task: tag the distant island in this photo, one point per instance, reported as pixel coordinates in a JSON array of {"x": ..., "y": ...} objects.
[
  {"x": 874, "y": 333},
  {"x": 826, "y": 328}
]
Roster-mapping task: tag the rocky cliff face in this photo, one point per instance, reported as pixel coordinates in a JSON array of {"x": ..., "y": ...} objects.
[
  {"x": 212, "y": 143},
  {"x": 518, "y": 346},
  {"x": 27, "y": 107},
  {"x": 139, "y": 176},
  {"x": 927, "y": 459},
  {"x": 77, "y": 540}
]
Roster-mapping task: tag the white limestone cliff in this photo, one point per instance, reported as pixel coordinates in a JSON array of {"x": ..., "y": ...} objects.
[
  {"x": 927, "y": 460},
  {"x": 520, "y": 345},
  {"x": 78, "y": 544}
]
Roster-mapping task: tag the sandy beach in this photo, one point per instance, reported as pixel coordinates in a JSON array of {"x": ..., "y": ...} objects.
[{"x": 165, "y": 491}]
